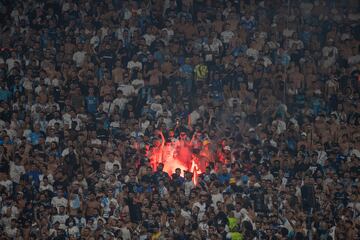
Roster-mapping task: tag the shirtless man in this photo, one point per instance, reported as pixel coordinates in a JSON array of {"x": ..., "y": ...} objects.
[
  {"x": 92, "y": 207},
  {"x": 118, "y": 73},
  {"x": 156, "y": 152},
  {"x": 69, "y": 46},
  {"x": 310, "y": 78},
  {"x": 297, "y": 78},
  {"x": 107, "y": 89},
  {"x": 189, "y": 29},
  {"x": 217, "y": 25},
  {"x": 331, "y": 87},
  {"x": 167, "y": 70},
  {"x": 52, "y": 165},
  {"x": 154, "y": 75}
]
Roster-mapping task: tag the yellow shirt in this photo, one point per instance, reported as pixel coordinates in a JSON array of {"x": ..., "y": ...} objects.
[
  {"x": 232, "y": 223},
  {"x": 201, "y": 72},
  {"x": 236, "y": 236},
  {"x": 156, "y": 236}
]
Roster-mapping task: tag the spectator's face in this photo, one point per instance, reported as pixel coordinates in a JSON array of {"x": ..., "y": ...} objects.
[
  {"x": 61, "y": 210},
  {"x": 60, "y": 193},
  {"x": 182, "y": 135},
  {"x": 160, "y": 167}
]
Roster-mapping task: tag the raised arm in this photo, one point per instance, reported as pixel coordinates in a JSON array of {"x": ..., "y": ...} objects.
[{"x": 162, "y": 139}]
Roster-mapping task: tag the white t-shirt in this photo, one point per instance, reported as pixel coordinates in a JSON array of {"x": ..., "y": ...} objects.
[
  {"x": 321, "y": 158},
  {"x": 13, "y": 209},
  {"x": 79, "y": 58},
  {"x": 168, "y": 122},
  {"x": 11, "y": 232},
  {"x": 95, "y": 41},
  {"x": 95, "y": 141},
  {"x": 61, "y": 219},
  {"x": 273, "y": 45},
  {"x": 16, "y": 171},
  {"x": 188, "y": 186},
  {"x": 169, "y": 32},
  {"x": 52, "y": 82},
  {"x": 73, "y": 231},
  {"x": 7, "y": 184},
  {"x": 127, "y": 89},
  {"x": 149, "y": 38},
  {"x": 218, "y": 197},
  {"x": 194, "y": 116},
  {"x": 251, "y": 52},
  {"x": 52, "y": 139},
  {"x": 237, "y": 214},
  {"x": 47, "y": 187},
  {"x": 144, "y": 125},
  {"x": 52, "y": 122},
  {"x": 27, "y": 84},
  {"x": 300, "y": 44},
  {"x": 131, "y": 64},
  {"x": 157, "y": 108},
  {"x": 267, "y": 61},
  {"x": 306, "y": 7},
  {"x": 137, "y": 83},
  {"x": 115, "y": 124},
  {"x": 330, "y": 51},
  {"x": 66, "y": 152},
  {"x": 127, "y": 14},
  {"x": 109, "y": 166},
  {"x": 268, "y": 176},
  {"x": 107, "y": 107},
  {"x": 10, "y": 62},
  {"x": 15, "y": 14},
  {"x": 163, "y": 191},
  {"x": 136, "y": 134},
  {"x": 280, "y": 126},
  {"x": 202, "y": 209},
  {"x": 227, "y": 35},
  {"x": 119, "y": 33},
  {"x": 354, "y": 16},
  {"x": 288, "y": 32},
  {"x": 58, "y": 202},
  {"x": 125, "y": 233},
  {"x": 213, "y": 47},
  {"x": 354, "y": 59},
  {"x": 5, "y": 221},
  {"x": 120, "y": 102},
  {"x": 49, "y": 106}
]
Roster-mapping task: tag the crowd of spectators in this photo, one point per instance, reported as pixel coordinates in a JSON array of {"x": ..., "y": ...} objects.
[{"x": 266, "y": 93}]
